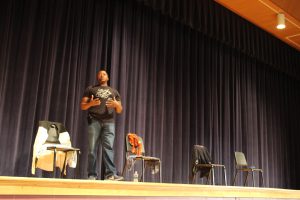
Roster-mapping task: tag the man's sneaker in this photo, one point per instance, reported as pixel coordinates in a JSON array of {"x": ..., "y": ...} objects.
[
  {"x": 92, "y": 177},
  {"x": 114, "y": 178}
]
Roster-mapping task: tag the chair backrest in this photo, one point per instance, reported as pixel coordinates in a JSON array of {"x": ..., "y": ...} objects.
[
  {"x": 201, "y": 155},
  {"x": 240, "y": 159},
  {"x": 53, "y": 130},
  {"x": 56, "y": 133},
  {"x": 131, "y": 148},
  {"x": 53, "y": 135}
]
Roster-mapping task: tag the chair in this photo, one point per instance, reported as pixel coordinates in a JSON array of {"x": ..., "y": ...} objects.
[
  {"x": 242, "y": 166},
  {"x": 135, "y": 151},
  {"x": 202, "y": 162},
  {"x": 52, "y": 148}
]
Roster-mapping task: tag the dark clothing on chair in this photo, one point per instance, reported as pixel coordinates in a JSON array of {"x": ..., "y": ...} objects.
[
  {"x": 201, "y": 155},
  {"x": 47, "y": 125},
  {"x": 53, "y": 129}
]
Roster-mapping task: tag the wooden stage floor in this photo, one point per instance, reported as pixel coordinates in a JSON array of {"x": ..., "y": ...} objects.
[{"x": 22, "y": 188}]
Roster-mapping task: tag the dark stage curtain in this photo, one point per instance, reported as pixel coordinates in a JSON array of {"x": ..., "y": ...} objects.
[{"x": 180, "y": 84}]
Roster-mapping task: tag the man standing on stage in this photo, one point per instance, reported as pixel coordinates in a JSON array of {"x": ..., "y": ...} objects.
[{"x": 101, "y": 101}]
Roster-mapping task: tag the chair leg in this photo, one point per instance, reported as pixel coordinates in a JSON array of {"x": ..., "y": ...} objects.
[
  {"x": 213, "y": 175},
  {"x": 262, "y": 179},
  {"x": 194, "y": 178},
  {"x": 64, "y": 167},
  {"x": 253, "y": 181},
  {"x": 54, "y": 162},
  {"x": 234, "y": 178},
  {"x": 78, "y": 164},
  {"x": 208, "y": 177},
  {"x": 225, "y": 178},
  {"x": 247, "y": 173},
  {"x": 207, "y": 180},
  {"x": 143, "y": 170},
  {"x": 160, "y": 178}
]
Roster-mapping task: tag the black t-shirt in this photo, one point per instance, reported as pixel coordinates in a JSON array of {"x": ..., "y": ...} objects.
[{"x": 101, "y": 112}]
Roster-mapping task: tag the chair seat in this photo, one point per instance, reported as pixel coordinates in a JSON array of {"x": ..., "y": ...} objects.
[
  {"x": 148, "y": 158},
  {"x": 209, "y": 165},
  {"x": 249, "y": 169},
  {"x": 68, "y": 151},
  {"x": 60, "y": 147}
]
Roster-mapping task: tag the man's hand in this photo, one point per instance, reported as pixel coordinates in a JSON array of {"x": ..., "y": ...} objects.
[
  {"x": 94, "y": 102},
  {"x": 113, "y": 103},
  {"x": 86, "y": 102}
]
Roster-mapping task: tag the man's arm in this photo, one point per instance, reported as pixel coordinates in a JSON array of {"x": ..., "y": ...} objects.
[
  {"x": 86, "y": 102},
  {"x": 118, "y": 107}
]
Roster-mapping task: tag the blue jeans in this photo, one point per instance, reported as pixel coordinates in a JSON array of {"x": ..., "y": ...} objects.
[{"x": 101, "y": 134}]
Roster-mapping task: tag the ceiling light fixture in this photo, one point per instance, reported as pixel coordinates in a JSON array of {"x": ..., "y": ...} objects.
[{"x": 280, "y": 21}]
